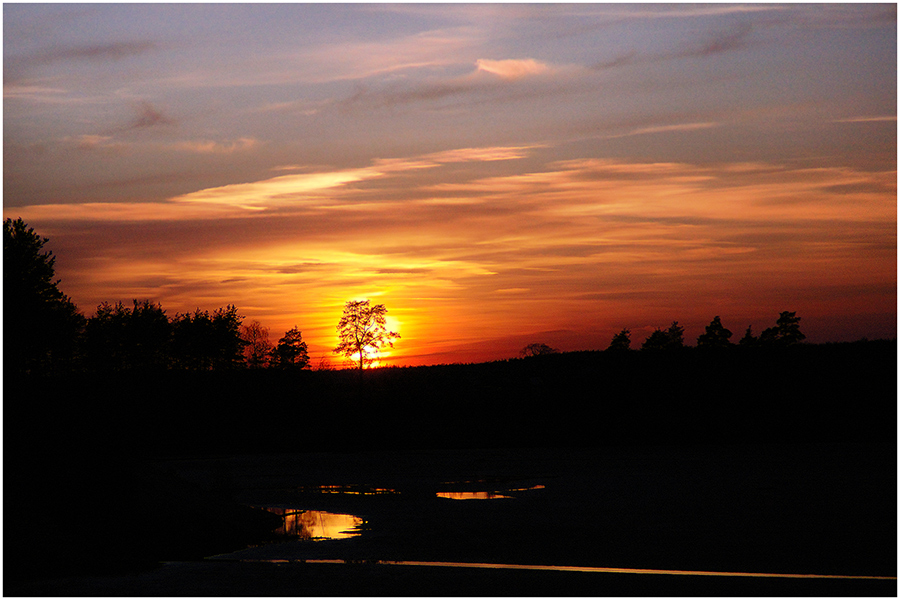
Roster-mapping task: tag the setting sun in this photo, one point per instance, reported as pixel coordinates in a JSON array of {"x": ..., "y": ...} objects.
[{"x": 539, "y": 184}]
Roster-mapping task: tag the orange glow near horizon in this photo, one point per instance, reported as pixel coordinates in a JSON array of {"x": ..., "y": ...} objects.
[
  {"x": 577, "y": 243},
  {"x": 494, "y": 175}
]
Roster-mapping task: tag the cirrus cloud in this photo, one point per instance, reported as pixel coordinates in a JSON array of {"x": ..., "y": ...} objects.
[{"x": 512, "y": 68}]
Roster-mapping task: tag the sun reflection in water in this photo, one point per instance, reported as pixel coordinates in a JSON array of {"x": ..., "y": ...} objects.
[{"x": 317, "y": 524}]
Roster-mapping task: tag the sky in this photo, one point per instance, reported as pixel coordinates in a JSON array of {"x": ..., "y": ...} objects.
[{"x": 494, "y": 174}]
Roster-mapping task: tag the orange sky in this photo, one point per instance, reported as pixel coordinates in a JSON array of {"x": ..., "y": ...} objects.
[{"x": 491, "y": 187}]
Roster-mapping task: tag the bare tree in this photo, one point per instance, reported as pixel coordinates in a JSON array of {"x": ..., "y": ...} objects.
[
  {"x": 362, "y": 332},
  {"x": 258, "y": 347}
]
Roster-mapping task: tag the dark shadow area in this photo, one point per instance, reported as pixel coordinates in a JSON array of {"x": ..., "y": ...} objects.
[{"x": 83, "y": 496}]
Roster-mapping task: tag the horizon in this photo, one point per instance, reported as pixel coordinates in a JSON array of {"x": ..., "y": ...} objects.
[{"x": 495, "y": 175}]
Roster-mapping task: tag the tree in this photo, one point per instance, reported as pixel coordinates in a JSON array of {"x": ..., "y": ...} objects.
[
  {"x": 749, "y": 339},
  {"x": 716, "y": 335},
  {"x": 290, "y": 352},
  {"x": 202, "y": 342},
  {"x": 362, "y": 332},
  {"x": 258, "y": 348},
  {"x": 670, "y": 339},
  {"x": 119, "y": 338},
  {"x": 621, "y": 341},
  {"x": 786, "y": 331},
  {"x": 41, "y": 324},
  {"x": 537, "y": 350}
]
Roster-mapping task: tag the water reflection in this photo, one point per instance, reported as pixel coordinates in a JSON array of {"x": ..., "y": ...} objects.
[
  {"x": 352, "y": 489},
  {"x": 471, "y": 495},
  {"x": 485, "y": 495},
  {"x": 317, "y": 524}
]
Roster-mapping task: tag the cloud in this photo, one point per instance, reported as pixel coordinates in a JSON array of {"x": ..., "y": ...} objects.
[
  {"x": 148, "y": 116},
  {"x": 213, "y": 147},
  {"x": 91, "y": 52},
  {"x": 13, "y": 91},
  {"x": 678, "y": 127},
  {"x": 91, "y": 143},
  {"x": 723, "y": 41},
  {"x": 512, "y": 68},
  {"x": 323, "y": 190},
  {"x": 16, "y": 67},
  {"x": 873, "y": 119}
]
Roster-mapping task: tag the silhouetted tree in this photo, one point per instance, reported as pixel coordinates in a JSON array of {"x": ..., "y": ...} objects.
[
  {"x": 41, "y": 324},
  {"x": 670, "y": 339},
  {"x": 786, "y": 331},
  {"x": 716, "y": 335},
  {"x": 258, "y": 348},
  {"x": 290, "y": 352},
  {"x": 362, "y": 331},
  {"x": 749, "y": 339},
  {"x": 657, "y": 340},
  {"x": 621, "y": 341},
  {"x": 227, "y": 330},
  {"x": 201, "y": 342},
  {"x": 119, "y": 338},
  {"x": 537, "y": 350},
  {"x": 675, "y": 335}
]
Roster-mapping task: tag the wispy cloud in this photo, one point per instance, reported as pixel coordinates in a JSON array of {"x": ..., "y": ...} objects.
[
  {"x": 512, "y": 68},
  {"x": 217, "y": 147},
  {"x": 873, "y": 119},
  {"x": 723, "y": 41},
  {"x": 678, "y": 127},
  {"x": 91, "y": 52},
  {"x": 148, "y": 116}
]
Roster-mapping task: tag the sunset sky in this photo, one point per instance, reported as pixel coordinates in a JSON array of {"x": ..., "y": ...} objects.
[{"x": 495, "y": 174}]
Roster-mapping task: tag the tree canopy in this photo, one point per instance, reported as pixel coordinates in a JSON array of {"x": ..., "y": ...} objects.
[
  {"x": 670, "y": 339},
  {"x": 716, "y": 335},
  {"x": 41, "y": 324},
  {"x": 537, "y": 349},
  {"x": 786, "y": 331},
  {"x": 621, "y": 341},
  {"x": 290, "y": 352}
]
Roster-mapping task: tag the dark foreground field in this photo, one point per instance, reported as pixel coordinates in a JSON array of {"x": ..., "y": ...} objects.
[{"x": 741, "y": 462}]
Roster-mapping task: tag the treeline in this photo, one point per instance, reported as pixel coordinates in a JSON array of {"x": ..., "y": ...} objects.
[
  {"x": 785, "y": 332},
  {"x": 119, "y": 338},
  {"x": 46, "y": 334}
]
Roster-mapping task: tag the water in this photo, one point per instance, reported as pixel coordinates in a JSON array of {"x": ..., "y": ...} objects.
[{"x": 316, "y": 524}]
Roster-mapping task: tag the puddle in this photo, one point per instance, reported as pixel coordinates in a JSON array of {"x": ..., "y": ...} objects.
[
  {"x": 484, "y": 495},
  {"x": 317, "y": 524},
  {"x": 472, "y": 495},
  {"x": 351, "y": 489}
]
